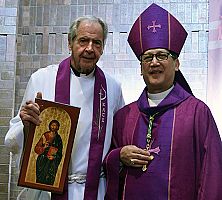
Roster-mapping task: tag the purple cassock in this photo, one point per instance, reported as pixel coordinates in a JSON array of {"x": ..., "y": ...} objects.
[
  {"x": 186, "y": 145},
  {"x": 188, "y": 162}
]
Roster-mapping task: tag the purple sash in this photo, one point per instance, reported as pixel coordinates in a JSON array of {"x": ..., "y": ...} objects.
[{"x": 100, "y": 109}]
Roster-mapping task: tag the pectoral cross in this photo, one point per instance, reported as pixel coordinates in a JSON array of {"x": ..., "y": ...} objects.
[{"x": 156, "y": 151}]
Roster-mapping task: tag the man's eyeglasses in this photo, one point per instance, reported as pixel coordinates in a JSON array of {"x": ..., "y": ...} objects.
[{"x": 147, "y": 58}]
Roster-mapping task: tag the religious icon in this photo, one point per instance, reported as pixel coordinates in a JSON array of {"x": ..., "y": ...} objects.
[
  {"x": 49, "y": 151},
  {"x": 48, "y": 148}
]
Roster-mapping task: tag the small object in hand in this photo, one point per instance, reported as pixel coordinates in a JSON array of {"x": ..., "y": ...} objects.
[
  {"x": 144, "y": 168},
  {"x": 151, "y": 157},
  {"x": 131, "y": 161}
]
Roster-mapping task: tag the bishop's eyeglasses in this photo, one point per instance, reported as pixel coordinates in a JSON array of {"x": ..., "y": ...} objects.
[{"x": 160, "y": 56}]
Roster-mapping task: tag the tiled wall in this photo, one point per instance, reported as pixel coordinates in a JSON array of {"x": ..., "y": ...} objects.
[
  {"x": 41, "y": 39},
  {"x": 8, "y": 17}
]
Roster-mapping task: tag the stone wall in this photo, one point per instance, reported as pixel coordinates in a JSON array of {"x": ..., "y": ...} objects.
[
  {"x": 8, "y": 17},
  {"x": 39, "y": 38}
]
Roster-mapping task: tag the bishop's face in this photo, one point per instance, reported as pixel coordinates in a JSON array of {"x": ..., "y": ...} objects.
[
  {"x": 87, "y": 46},
  {"x": 158, "y": 69}
]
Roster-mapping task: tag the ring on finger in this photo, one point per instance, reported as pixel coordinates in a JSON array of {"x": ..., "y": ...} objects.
[{"x": 131, "y": 161}]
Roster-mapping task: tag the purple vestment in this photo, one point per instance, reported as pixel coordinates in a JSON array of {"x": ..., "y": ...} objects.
[
  {"x": 100, "y": 110},
  {"x": 189, "y": 164}
]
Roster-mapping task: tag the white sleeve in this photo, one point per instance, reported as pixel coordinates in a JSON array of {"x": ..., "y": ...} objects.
[
  {"x": 14, "y": 137},
  {"x": 120, "y": 100},
  {"x": 43, "y": 80}
]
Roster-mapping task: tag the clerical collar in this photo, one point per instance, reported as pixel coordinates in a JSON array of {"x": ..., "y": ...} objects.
[
  {"x": 80, "y": 74},
  {"x": 155, "y": 99}
]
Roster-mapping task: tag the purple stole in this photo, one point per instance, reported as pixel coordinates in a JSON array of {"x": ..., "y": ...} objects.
[{"x": 100, "y": 109}]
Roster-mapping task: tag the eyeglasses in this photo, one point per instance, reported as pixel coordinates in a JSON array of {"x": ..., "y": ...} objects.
[{"x": 147, "y": 58}]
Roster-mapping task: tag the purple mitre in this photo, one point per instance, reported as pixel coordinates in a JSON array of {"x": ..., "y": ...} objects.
[{"x": 156, "y": 28}]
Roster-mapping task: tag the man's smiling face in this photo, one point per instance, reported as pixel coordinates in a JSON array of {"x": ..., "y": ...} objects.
[
  {"x": 158, "y": 74},
  {"x": 87, "y": 46}
]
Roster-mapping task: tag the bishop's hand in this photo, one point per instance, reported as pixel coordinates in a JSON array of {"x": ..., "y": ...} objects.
[{"x": 133, "y": 156}]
